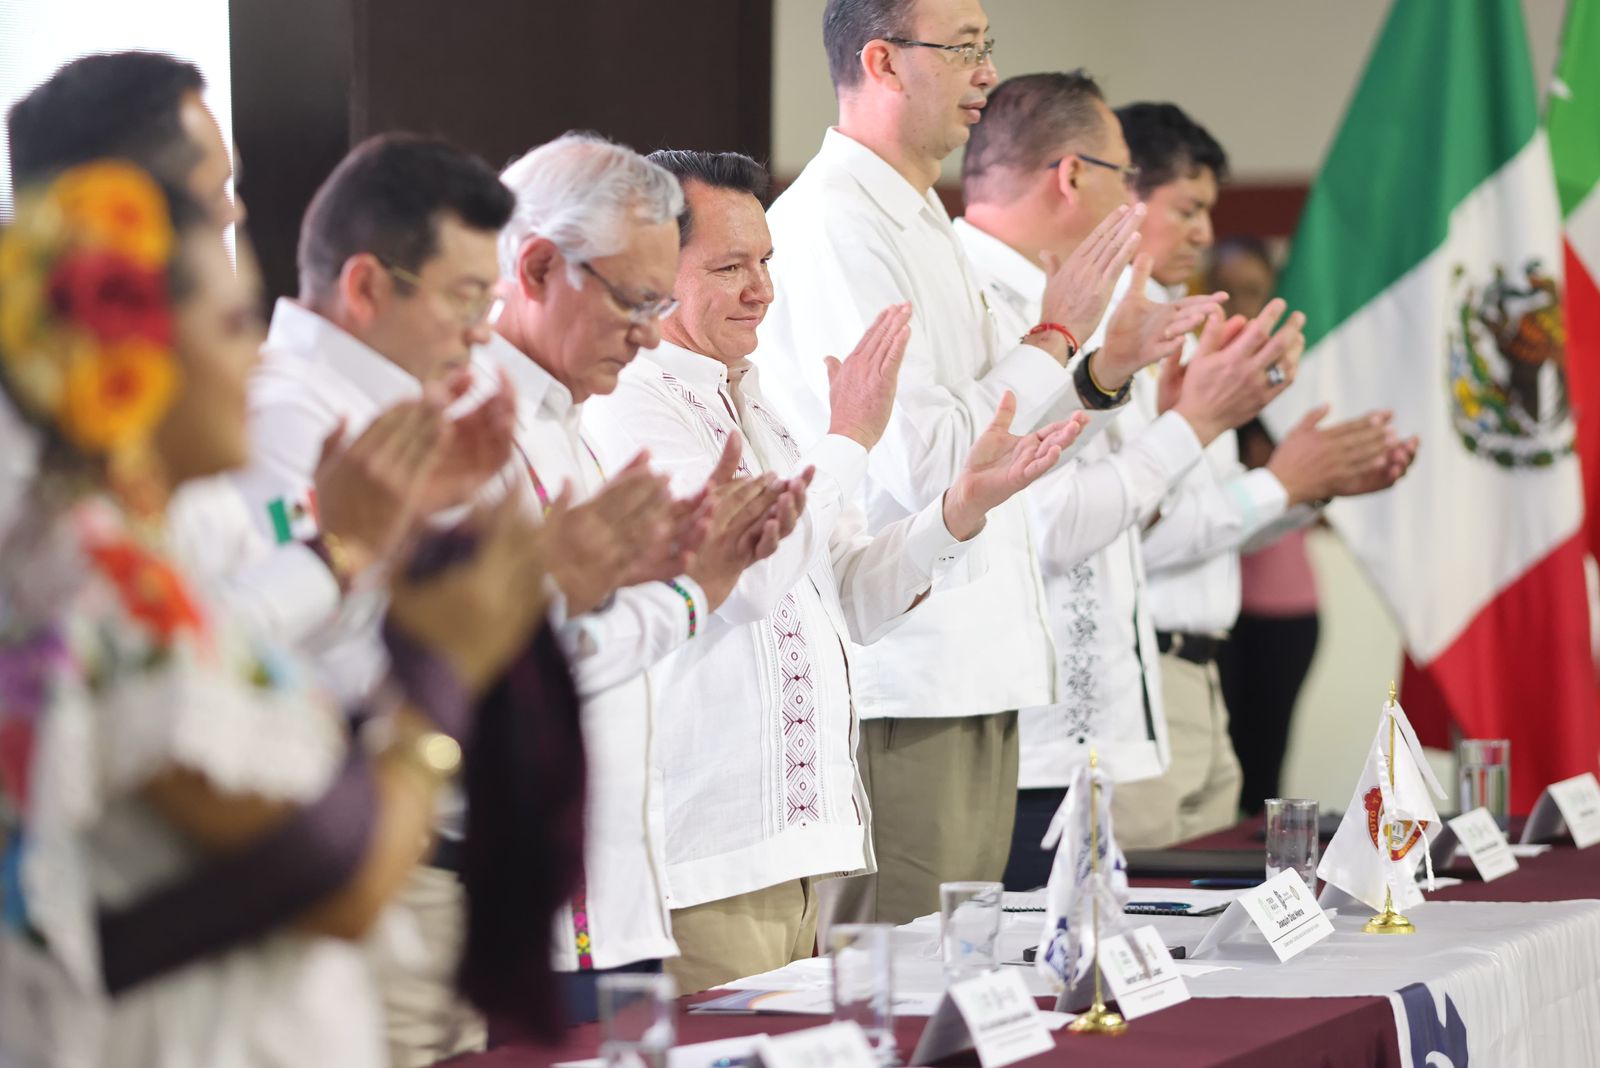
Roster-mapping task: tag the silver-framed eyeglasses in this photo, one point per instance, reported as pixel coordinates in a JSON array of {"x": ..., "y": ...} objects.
[
  {"x": 1129, "y": 172},
  {"x": 969, "y": 55},
  {"x": 639, "y": 312},
  {"x": 482, "y": 309}
]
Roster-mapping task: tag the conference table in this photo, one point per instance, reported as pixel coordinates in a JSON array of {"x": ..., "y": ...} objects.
[{"x": 1212, "y": 1032}]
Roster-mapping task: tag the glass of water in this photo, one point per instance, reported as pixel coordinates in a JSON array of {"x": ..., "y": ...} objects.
[
  {"x": 969, "y": 929},
  {"x": 863, "y": 982},
  {"x": 637, "y": 1019},
  {"x": 1484, "y": 777},
  {"x": 1292, "y": 840}
]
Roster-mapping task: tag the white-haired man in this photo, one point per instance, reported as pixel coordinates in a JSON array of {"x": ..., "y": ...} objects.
[
  {"x": 588, "y": 262},
  {"x": 757, "y": 729}
]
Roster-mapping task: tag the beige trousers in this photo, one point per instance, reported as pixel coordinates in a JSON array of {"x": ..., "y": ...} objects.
[
  {"x": 1199, "y": 793},
  {"x": 943, "y": 794},
  {"x": 424, "y": 1020},
  {"x": 747, "y": 934}
]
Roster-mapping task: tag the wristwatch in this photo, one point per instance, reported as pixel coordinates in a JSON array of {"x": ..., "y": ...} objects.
[{"x": 1091, "y": 392}]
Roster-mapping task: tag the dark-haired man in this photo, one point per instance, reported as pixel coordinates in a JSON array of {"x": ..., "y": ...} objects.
[
  {"x": 756, "y": 729},
  {"x": 1192, "y": 546},
  {"x": 861, "y": 228},
  {"x": 1047, "y": 165}
]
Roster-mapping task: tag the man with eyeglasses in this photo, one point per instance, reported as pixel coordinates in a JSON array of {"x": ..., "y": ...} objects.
[
  {"x": 589, "y": 260},
  {"x": 1045, "y": 167},
  {"x": 860, "y": 229}
]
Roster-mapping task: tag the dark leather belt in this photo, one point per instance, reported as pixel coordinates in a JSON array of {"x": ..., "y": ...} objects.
[{"x": 1195, "y": 648}]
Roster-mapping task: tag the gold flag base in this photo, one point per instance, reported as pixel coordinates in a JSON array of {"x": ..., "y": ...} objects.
[
  {"x": 1098, "y": 1020},
  {"x": 1389, "y": 922}
]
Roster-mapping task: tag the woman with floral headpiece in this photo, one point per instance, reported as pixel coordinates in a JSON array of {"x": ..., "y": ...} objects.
[{"x": 193, "y": 844}]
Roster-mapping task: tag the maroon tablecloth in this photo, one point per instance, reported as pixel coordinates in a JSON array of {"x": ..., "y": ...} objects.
[{"x": 1204, "y": 1033}]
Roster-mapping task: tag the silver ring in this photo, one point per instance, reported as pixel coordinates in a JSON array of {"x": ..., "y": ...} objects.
[{"x": 1274, "y": 375}]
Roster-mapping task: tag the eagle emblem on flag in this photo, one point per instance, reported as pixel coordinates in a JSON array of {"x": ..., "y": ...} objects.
[{"x": 1507, "y": 368}]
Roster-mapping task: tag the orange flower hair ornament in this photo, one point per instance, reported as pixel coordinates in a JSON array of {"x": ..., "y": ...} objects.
[{"x": 86, "y": 328}]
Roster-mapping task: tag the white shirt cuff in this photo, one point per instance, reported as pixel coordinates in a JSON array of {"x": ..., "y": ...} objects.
[
  {"x": 1037, "y": 380},
  {"x": 1173, "y": 444},
  {"x": 1259, "y": 496}
]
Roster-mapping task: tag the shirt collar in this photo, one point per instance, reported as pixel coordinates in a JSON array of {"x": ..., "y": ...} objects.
[
  {"x": 887, "y": 187},
  {"x": 534, "y": 385},
  {"x": 1003, "y": 263},
  {"x": 701, "y": 372},
  {"x": 299, "y": 330}
]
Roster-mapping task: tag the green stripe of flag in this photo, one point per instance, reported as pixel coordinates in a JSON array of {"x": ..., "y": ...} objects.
[
  {"x": 1446, "y": 99},
  {"x": 1574, "y": 108}
]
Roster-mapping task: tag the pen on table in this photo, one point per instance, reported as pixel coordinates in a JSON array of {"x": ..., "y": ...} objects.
[{"x": 1160, "y": 904}]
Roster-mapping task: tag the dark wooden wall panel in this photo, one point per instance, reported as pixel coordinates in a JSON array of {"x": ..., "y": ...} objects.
[{"x": 495, "y": 76}]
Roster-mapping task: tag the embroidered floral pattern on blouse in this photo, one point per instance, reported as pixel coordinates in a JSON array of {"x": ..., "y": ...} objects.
[{"x": 1079, "y": 658}]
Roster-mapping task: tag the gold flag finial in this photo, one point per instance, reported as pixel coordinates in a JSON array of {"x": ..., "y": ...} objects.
[
  {"x": 1393, "y": 693},
  {"x": 1094, "y": 759}
]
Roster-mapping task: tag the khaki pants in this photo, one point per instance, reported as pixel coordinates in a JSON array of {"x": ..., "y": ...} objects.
[
  {"x": 1199, "y": 793},
  {"x": 747, "y": 934},
  {"x": 943, "y": 794},
  {"x": 424, "y": 1020}
]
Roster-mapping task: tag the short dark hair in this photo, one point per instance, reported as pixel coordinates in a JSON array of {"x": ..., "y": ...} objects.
[
  {"x": 386, "y": 197},
  {"x": 847, "y": 26},
  {"x": 1243, "y": 245},
  {"x": 719, "y": 170},
  {"x": 115, "y": 104},
  {"x": 1027, "y": 121},
  {"x": 1166, "y": 144}
]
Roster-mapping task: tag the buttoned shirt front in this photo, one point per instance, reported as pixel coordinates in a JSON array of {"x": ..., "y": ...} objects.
[
  {"x": 852, "y": 237},
  {"x": 756, "y": 730},
  {"x": 622, "y": 916},
  {"x": 1087, "y": 514}
]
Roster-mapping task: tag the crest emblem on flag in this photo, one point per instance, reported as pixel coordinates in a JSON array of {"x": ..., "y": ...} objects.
[
  {"x": 1406, "y": 832},
  {"x": 1507, "y": 368}
]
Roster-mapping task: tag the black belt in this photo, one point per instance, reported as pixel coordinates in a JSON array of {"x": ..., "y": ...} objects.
[{"x": 1195, "y": 648}]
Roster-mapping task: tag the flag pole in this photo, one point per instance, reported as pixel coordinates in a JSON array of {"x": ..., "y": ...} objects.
[
  {"x": 1389, "y": 921},
  {"x": 1098, "y": 1020}
]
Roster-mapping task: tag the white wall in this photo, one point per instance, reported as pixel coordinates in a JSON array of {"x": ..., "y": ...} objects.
[{"x": 1270, "y": 78}]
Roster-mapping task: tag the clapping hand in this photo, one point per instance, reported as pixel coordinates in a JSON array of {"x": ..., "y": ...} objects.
[
  {"x": 1078, "y": 288},
  {"x": 1002, "y": 464},
  {"x": 861, "y": 389},
  {"x": 1238, "y": 367},
  {"x": 1144, "y": 331}
]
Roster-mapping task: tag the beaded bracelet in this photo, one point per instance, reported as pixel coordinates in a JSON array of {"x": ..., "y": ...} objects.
[{"x": 688, "y": 600}]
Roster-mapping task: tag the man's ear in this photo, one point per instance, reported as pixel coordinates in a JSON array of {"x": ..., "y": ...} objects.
[
  {"x": 536, "y": 259},
  {"x": 1068, "y": 174},
  {"x": 363, "y": 285},
  {"x": 878, "y": 64}
]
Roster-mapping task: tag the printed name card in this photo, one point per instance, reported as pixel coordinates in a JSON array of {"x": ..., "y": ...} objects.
[
  {"x": 842, "y": 1043},
  {"x": 1139, "y": 970},
  {"x": 1572, "y": 805},
  {"x": 1283, "y": 909},
  {"x": 1478, "y": 834},
  {"x": 992, "y": 1013}
]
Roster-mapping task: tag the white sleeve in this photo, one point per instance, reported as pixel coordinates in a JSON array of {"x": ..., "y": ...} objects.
[
  {"x": 1082, "y": 508},
  {"x": 642, "y": 624},
  {"x": 880, "y": 578},
  {"x": 1206, "y": 517}
]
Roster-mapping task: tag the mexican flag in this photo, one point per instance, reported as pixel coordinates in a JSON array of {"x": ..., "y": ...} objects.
[
  {"x": 1573, "y": 118},
  {"x": 1429, "y": 264}
]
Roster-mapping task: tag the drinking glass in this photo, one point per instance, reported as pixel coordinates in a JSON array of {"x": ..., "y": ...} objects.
[
  {"x": 1292, "y": 838},
  {"x": 1484, "y": 777},
  {"x": 637, "y": 1025},
  {"x": 969, "y": 929},
  {"x": 863, "y": 982}
]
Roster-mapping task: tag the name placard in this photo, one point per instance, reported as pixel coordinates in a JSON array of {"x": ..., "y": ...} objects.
[
  {"x": 992, "y": 1013},
  {"x": 1478, "y": 834},
  {"x": 1283, "y": 909},
  {"x": 1139, "y": 970},
  {"x": 842, "y": 1043},
  {"x": 1572, "y": 805}
]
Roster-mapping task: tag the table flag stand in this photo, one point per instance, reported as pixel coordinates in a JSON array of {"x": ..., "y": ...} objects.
[
  {"x": 1389, "y": 921},
  {"x": 1097, "y": 1019}
]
